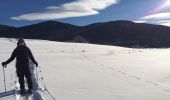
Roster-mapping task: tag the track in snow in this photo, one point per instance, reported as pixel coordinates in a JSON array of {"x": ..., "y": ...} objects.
[{"x": 41, "y": 91}]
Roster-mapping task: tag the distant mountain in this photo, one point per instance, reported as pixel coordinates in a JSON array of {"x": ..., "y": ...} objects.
[
  {"x": 5, "y": 30},
  {"x": 120, "y": 33},
  {"x": 127, "y": 33},
  {"x": 4, "y": 27},
  {"x": 49, "y": 30}
]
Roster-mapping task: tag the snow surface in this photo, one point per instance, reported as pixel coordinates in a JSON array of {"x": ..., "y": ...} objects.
[{"x": 76, "y": 71}]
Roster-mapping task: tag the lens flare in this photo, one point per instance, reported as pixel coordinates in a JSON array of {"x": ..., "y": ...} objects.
[
  {"x": 161, "y": 6},
  {"x": 167, "y": 3}
]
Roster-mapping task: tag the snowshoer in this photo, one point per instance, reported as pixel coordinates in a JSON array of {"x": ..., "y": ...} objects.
[{"x": 22, "y": 54}]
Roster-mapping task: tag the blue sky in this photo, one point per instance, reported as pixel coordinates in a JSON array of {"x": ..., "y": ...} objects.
[{"x": 82, "y": 12}]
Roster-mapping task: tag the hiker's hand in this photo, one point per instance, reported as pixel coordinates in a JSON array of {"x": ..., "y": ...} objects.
[
  {"x": 36, "y": 64},
  {"x": 3, "y": 64}
]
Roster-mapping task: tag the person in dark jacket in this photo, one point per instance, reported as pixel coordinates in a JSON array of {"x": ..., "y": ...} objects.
[{"x": 22, "y": 54}]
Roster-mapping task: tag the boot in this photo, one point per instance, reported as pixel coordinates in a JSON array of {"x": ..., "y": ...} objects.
[
  {"x": 22, "y": 91},
  {"x": 30, "y": 91}
]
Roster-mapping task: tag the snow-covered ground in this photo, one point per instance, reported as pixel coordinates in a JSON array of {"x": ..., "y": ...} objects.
[{"x": 75, "y": 71}]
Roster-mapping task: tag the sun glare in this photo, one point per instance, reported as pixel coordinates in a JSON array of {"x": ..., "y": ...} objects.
[{"x": 167, "y": 3}]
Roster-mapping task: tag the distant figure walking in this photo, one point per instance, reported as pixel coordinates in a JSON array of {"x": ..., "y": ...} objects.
[{"x": 22, "y": 54}]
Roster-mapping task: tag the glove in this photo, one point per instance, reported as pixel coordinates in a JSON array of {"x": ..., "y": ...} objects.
[
  {"x": 36, "y": 64},
  {"x": 3, "y": 64}
]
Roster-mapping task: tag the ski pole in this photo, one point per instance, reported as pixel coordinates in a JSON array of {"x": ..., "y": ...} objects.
[
  {"x": 37, "y": 74},
  {"x": 4, "y": 77}
]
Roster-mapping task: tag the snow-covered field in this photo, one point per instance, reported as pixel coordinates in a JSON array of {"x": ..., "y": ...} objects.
[{"x": 73, "y": 71}]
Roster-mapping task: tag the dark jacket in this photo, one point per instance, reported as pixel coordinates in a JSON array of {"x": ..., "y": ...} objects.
[{"x": 22, "y": 55}]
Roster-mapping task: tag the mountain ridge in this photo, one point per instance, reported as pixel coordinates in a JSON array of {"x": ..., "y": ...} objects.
[{"x": 120, "y": 33}]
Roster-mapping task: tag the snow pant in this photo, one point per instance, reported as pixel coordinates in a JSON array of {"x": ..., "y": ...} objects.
[
  {"x": 23, "y": 70},
  {"x": 22, "y": 82}
]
